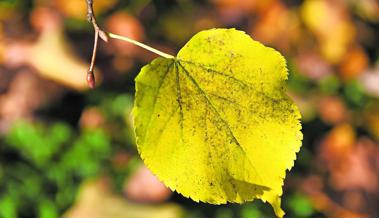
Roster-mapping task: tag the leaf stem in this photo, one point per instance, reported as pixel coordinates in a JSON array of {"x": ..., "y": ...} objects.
[{"x": 126, "y": 39}]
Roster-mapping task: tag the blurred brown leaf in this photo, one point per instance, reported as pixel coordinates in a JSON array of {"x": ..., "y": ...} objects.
[
  {"x": 357, "y": 170},
  {"x": 313, "y": 66},
  {"x": 332, "y": 110},
  {"x": 126, "y": 25},
  {"x": 121, "y": 159},
  {"x": 25, "y": 94},
  {"x": 313, "y": 187},
  {"x": 351, "y": 164},
  {"x": 337, "y": 144},
  {"x": 143, "y": 186},
  {"x": 277, "y": 26},
  {"x": 354, "y": 62},
  {"x": 96, "y": 201},
  {"x": 233, "y": 11},
  {"x": 91, "y": 118},
  {"x": 50, "y": 55}
]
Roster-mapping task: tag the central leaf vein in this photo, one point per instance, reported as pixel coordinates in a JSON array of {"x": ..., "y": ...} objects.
[{"x": 209, "y": 102}]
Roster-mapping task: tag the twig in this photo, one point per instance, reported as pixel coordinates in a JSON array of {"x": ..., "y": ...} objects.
[{"x": 99, "y": 33}]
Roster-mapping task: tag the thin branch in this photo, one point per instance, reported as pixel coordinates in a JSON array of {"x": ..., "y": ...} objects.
[
  {"x": 90, "y": 13},
  {"x": 91, "y": 67},
  {"x": 98, "y": 33},
  {"x": 90, "y": 74}
]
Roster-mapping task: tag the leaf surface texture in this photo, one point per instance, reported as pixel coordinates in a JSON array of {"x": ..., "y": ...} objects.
[{"x": 215, "y": 123}]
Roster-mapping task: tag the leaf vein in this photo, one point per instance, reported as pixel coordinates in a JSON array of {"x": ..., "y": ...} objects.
[
  {"x": 207, "y": 69},
  {"x": 210, "y": 103},
  {"x": 179, "y": 100},
  {"x": 156, "y": 96}
]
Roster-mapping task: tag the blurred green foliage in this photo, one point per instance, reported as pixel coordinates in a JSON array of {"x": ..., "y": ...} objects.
[
  {"x": 42, "y": 164},
  {"x": 300, "y": 205}
]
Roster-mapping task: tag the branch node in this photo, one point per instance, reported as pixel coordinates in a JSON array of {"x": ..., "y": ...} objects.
[{"x": 103, "y": 35}]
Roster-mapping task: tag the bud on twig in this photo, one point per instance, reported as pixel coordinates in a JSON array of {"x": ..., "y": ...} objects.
[
  {"x": 91, "y": 79},
  {"x": 103, "y": 35}
]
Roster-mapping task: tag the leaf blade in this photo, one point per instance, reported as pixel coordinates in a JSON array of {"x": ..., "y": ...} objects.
[{"x": 231, "y": 132}]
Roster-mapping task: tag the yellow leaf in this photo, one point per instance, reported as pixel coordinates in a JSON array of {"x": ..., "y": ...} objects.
[{"x": 215, "y": 123}]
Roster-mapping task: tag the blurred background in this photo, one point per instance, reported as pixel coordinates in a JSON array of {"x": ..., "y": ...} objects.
[{"x": 69, "y": 152}]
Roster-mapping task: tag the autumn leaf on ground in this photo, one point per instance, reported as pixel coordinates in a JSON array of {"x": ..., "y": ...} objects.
[
  {"x": 96, "y": 200},
  {"x": 215, "y": 123}
]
